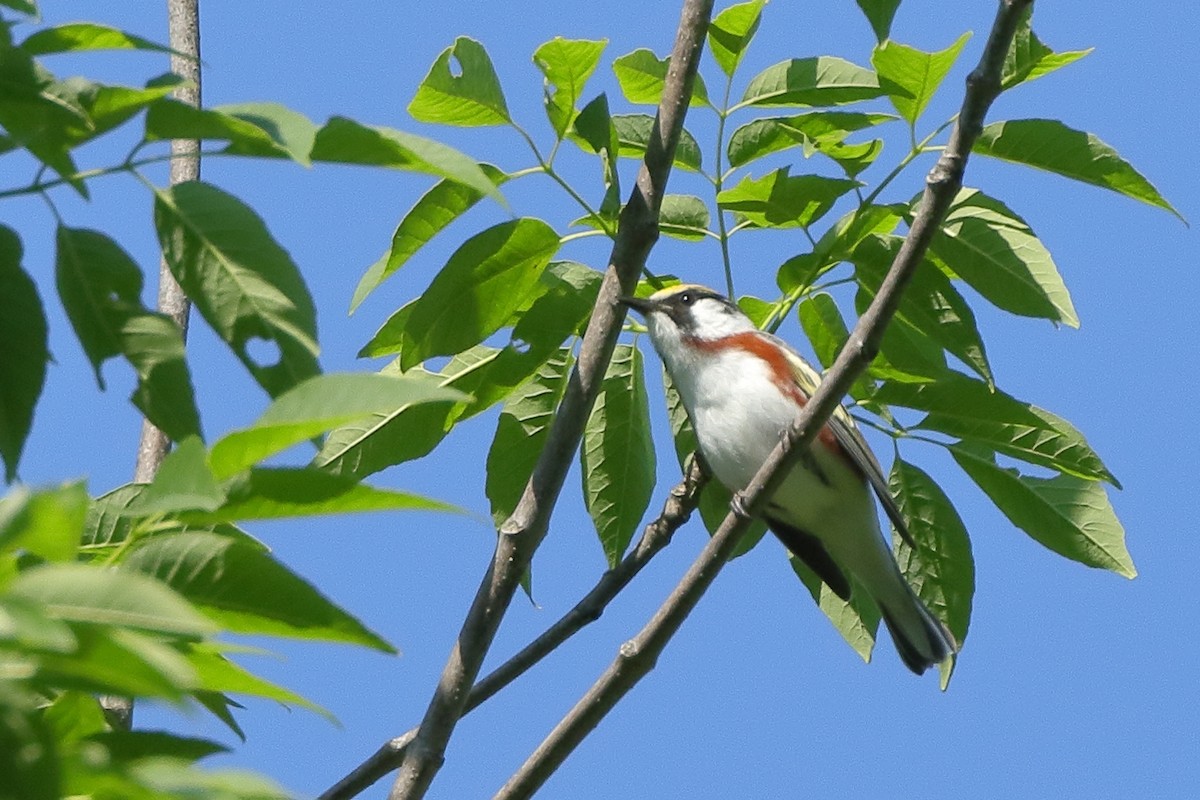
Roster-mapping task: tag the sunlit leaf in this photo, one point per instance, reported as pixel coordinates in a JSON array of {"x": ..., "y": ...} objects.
[
  {"x": 642, "y": 76},
  {"x": 46, "y": 522},
  {"x": 183, "y": 482},
  {"x": 252, "y": 129},
  {"x": 466, "y": 94},
  {"x": 634, "y": 132},
  {"x": 77, "y": 36},
  {"x": 821, "y": 81},
  {"x": 1029, "y": 59},
  {"x": 780, "y": 200},
  {"x": 730, "y": 33},
  {"x": 815, "y": 131},
  {"x": 566, "y": 64},
  {"x": 911, "y": 76}
]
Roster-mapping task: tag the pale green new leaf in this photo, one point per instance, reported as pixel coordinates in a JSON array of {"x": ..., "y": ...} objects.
[
  {"x": 966, "y": 408},
  {"x": 24, "y": 354},
  {"x": 521, "y": 432},
  {"x": 1069, "y": 515},
  {"x": 244, "y": 284},
  {"x": 820, "y": 81},
  {"x": 642, "y": 76},
  {"x": 486, "y": 280},
  {"x": 941, "y": 568},
  {"x": 469, "y": 95},
  {"x": 911, "y": 76},
  {"x": 246, "y": 590},
  {"x": 344, "y": 141},
  {"x": 1050, "y": 145},
  {"x": 617, "y": 453},
  {"x": 986, "y": 244},
  {"x": 319, "y": 405},
  {"x": 730, "y": 33},
  {"x": 566, "y": 64},
  {"x": 780, "y": 200}
]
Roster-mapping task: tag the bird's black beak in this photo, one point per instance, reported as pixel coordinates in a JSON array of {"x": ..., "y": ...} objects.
[{"x": 639, "y": 305}]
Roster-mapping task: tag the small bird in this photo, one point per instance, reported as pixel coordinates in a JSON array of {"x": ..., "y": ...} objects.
[{"x": 742, "y": 388}]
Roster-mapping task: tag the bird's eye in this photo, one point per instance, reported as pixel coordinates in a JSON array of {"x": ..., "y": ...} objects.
[{"x": 687, "y": 298}]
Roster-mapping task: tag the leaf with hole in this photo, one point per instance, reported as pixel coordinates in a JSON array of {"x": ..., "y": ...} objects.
[
  {"x": 472, "y": 97},
  {"x": 566, "y": 64}
]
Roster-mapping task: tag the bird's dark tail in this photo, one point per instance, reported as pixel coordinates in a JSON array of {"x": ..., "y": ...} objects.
[{"x": 922, "y": 640}]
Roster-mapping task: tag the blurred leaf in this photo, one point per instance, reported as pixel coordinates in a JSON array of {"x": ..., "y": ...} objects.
[
  {"x": 445, "y": 202},
  {"x": 25, "y": 627},
  {"x": 218, "y": 674},
  {"x": 815, "y": 131},
  {"x": 1050, "y": 145},
  {"x": 986, "y": 244},
  {"x": 24, "y": 6},
  {"x": 118, "y": 660},
  {"x": 127, "y": 746},
  {"x": 856, "y": 619},
  {"x": 521, "y": 433},
  {"x": 274, "y": 493},
  {"x": 318, "y": 405},
  {"x": 730, "y": 33},
  {"x": 80, "y": 593},
  {"x": 941, "y": 568},
  {"x": 969, "y": 409},
  {"x": 566, "y": 64},
  {"x": 880, "y": 14},
  {"x": 77, "y": 36},
  {"x": 183, "y": 482},
  {"x": 47, "y": 522},
  {"x": 911, "y": 76},
  {"x": 1069, "y": 515},
  {"x": 246, "y": 590},
  {"x": 617, "y": 454},
  {"x": 29, "y": 757},
  {"x": 345, "y": 141},
  {"x": 252, "y": 129},
  {"x": 821, "y": 81},
  {"x": 75, "y": 716},
  {"x": 172, "y": 778},
  {"x": 1029, "y": 59},
  {"x": 244, "y": 284},
  {"x": 101, "y": 287},
  {"x": 471, "y": 97},
  {"x": 642, "y": 76},
  {"x": 930, "y": 303},
  {"x": 634, "y": 131},
  {"x": 486, "y": 279},
  {"x": 23, "y": 351},
  {"x": 780, "y": 200}
]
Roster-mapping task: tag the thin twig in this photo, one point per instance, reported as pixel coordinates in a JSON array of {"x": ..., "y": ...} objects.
[
  {"x": 525, "y": 528},
  {"x": 680, "y": 503},
  {"x": 183, "y": 34},
  {"x": 638, "y": 656}
]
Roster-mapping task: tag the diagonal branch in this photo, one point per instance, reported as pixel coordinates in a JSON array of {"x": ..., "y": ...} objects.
[
  {"x": 680, "y": 503},
  {"x": 524, "y": 530},
  {"x": 638, "y": 656}
]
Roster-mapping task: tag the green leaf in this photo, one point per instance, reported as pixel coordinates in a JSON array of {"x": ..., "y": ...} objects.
[
  {"x": 969, "y": 409},
  {"x": 820, "y": 81},
  {"x": 277, "y": 493},
  {"x": 173, "y": 778},
  {"x": 24, "y": 626},
  {"x": 344, "y": 141},
  {"x": 568, "y": 297},
  {"x": 1028, "y": 59},
  {"x": 642, "y": 76},
  {"x": 246, "y": 590},
  {"x": 827, "y": 333},
  {"x": 594, "y": 126},
  {"x": 252, "y": 129},
  {"x": 24, "y": 6},
  {"x": 219, "y": 674},
  {"x": 780, "y": 200},
  {"x": 38, "y": 112},
  {"x": 617, "y": 455},
  {"x": 880, "y": 14},
  {"x": 940, "y": 568},
  {"x": 47, "y": 522},
  {"x": 316, "y": 406},
  {"x": 815, "y": 131},
  {"x": 113, "y": 517},
  {"x": 486, "y": 279},
  {"x": 100, "y": 287},
  {"x": 23, "y": 351},
  {"x": 929, "y": 304},
  {"x": 184, "y": 481},
  {"x": 906, "y": 353},
  {"x": 77, "y": 36},
  {"x": 80, "y": 593},
  {"x": 118, "y": 660},
  {"x": 634, "y": 132},
  {"x": 911, "y": 76},
  {"x": 244, "y": 284},
  {"x": 856, "y": 619},
  {"x": 683, "y": 216},
  {"x": 730, "y": 33},
  {"x": 445, "y": 202},
  {"x": 566, "y": 64},
  {"x": 471, "y": 97},
  {"x": 1068, "y": 515},
  {"x": 126, "y": 746},
  {"x": 1050, "y": 145},
  {"x": 986, "y": 244},
  {"x": 107, "y": 107},
  {"x": 521, "y": 433}
]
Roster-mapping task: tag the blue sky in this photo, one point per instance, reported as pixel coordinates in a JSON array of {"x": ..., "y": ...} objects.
[{"x": 1072, "y": 683}]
